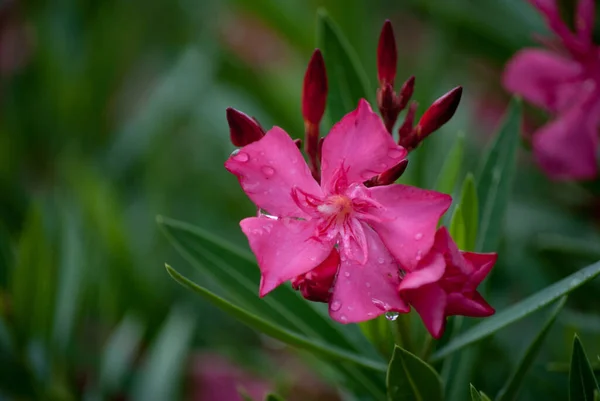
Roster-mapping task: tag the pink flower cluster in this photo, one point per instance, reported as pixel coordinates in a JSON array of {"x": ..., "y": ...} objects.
[
  {"x": 340, "y": 230},
  {"x": 564, "y": 80}
]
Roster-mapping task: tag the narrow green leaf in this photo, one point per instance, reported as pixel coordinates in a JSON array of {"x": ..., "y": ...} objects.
[
  {"x": 277, "y": 332},
  {"x": 411, "y": 379},
  {"x": 475, "y": 395},
  {"x": 160, "y": 376},
  {"x": 512, "y": 386},
  {"x": 457, "y": 229},
  {"x": 470, "y": 211},
  {"x": 582, "y": 382},
  {"x": 347, "y": 80},
  {"x": 519, "y": 310},
  {"x": 448, "y": 176},
  {"x": 596, "y": 395},
  {"x": 495, "y": 179}
]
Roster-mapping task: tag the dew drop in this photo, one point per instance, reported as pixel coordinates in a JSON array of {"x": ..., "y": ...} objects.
[
  {"x": 395, "y": 153},
  {"x": 381, "y": 260},
  {"x": 391, "y": 316},
  {"x": 380, "y": 304},
  {"x": 240, "y": 156},
  {"x": 335, "y": 306},
  {"x": 419, "y": 255},
  {"x": 368, "y": 285},
  {"x": 347, "y": 274},
  {"x": 343, "y": 318},
  {"x": 370, "y": 314},
  {"x": 418, "y": 236},
  {"x": 350, "y": 308},
  {"x": 383, "y": 165},
  {"x": 268, "y": 171}
]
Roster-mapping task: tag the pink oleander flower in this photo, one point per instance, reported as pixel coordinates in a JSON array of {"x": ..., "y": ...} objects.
[
  {"x": 565, "y": 81},
  {"x": 445, "y": 284},
  {"x": 379, "y": 232}
]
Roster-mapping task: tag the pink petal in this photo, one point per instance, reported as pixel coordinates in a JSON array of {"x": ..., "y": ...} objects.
[
  {"x": 445, "y": 245},
  {"x": 566, "y": 147},
  {"x": 473, "y": 306},
  {"x": 284, "y": 248},
  {"x": 268, "y": 169},
  {"x": 432, "y": 271},
  {"x": 408, "y": 223},
  {"x": 361, "y": 143},
  {"x": 363, "y": 292},
  {"x": 543, "y": 78},
  {"x": 584, "y": 21},
  {"x": 482, "y": 264},
  {"x": 430, "y": 303}
]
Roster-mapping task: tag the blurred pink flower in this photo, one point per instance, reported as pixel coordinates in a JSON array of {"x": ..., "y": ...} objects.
[
  {"x": 445, "y": 284},
  {"x": 217, "y": 379},
  {"x": 375, "y": 230},
  {"x": 565, "y": 81}
]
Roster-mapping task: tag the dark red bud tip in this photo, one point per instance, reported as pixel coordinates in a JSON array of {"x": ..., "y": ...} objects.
[
  {"x": 389, "y": 176},
  {"x": 314, "y": 89},
  {"x": 387, "y": 56},
  {"x": 406, "y": 92},
  {"x": 298, "y": 143},
  {"x": 439, "y": 112},
  {"x": 406, "y": 131},
  {"x": 243, "y": 129}
]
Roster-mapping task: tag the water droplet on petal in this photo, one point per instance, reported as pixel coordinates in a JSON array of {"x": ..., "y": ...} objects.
[
  {"x": 419, "y": 255},
  {"x": 368, "y": 285},
  {"x": 383, "y": 165},
  {"x": 235, "y": 152},
  {"x": 391, "y": 316},
  {"x": 418, "y": 236},
  {"x": 240, "y": 156},
  {"x": 380, "y": 304},
  {"x": 347, "y": 274},
  {"x": 268, "y": 171},
  {"x": 335, "y": 306},
  {"x": 395, "y": 153},
  {"x": 381, "y": 260},
  {"x": 350, "y": 308},
  {"x": 343, "y": 318},
  {"x": 370, "y": 314}
]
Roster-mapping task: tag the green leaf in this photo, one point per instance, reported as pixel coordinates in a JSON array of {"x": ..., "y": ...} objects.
[
  {"x": 379, "y": 332},
  {"x": 160, "y": 376},
  {"x": 512, "y": 386},
  {"x": 411, "y": 379},
  {"x": 582, "y": 382},
  {"x": 273, "y": 330},
  {"x": 448, "y": 176},
  {"x": 469, "y": 210},
  {"x": 475, "y": 395},
  {"x": 495, "y": 178},
  {"x": 457, "y": 229},
  {"x": 347, "y": 80},
  {"x": 520, "y": 310},
  {"x": 596, "y": 395}
]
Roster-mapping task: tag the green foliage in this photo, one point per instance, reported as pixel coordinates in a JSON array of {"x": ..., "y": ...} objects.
[
  {"x": 582, "y": 382},
  {"x": 411, "y": 379},
  {"x": 451, "y": 168}
]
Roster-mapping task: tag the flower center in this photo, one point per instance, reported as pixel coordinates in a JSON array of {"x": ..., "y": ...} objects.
[{"x": 339, "y": 206}]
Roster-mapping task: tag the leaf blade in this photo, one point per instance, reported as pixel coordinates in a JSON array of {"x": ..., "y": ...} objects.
[
  {"x": 582, "y": 382},
  {"x": 411, "y": 379}
]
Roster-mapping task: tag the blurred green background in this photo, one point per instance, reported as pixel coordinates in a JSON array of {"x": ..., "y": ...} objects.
[{"x": 112, "y": 112}]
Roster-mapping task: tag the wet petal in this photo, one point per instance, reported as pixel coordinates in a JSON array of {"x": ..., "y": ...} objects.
[
  {"x": 284, "y": 248},
  {"x": 430, "y": 303},
  {"x": 472, "y": 306},
  {"x": 363, "y": 292},
  {"x": 409, "y": 219},
  {"x": 543, "y": 78},
  {"x": 433, "y": 270},
  {"x": 361, "y": 143},
  {"x": 481, "y": 265},
  {"x": 566, "y": 147},
  {"x": 269, "y": 169}
]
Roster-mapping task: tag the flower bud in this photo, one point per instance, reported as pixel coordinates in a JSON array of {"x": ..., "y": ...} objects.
[
  {"x": 389, "y": 176},
  {"x": 386, "y": 55},
  {"x": 316, "y": 284},
  {"x": 243, "y": 129},
  {"x": 387, "y": 102},
  {"x": 439, "y": 113},
  {"x": 406, "y": 132},
  {"x": 406, "y": 92},
  {"x": 314, "y": 90}
]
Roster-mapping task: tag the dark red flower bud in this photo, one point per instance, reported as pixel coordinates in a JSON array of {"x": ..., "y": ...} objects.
[
  {"x": 316, "y": 284},
  {"x": 314, "y": 89},
  {"x": 406, "y": 92},
  {"x": 298, "y": 143},
  {"x": 439, "y": 113},
  {"x": 243, "y": 129},
  {"x": 387, "y": 102},
  {"x": 406, "y": 131},
  {"x": 386, "y": 55},
  {"x": 388, "y": 177}
]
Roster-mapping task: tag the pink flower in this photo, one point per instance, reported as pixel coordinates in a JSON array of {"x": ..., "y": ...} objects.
[
  {"x": 445, "y": 284},
  {"x": 566, "y": 83},
  {"x": 377, "y": 231}
]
